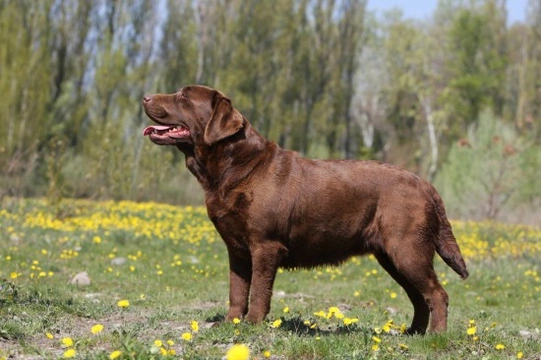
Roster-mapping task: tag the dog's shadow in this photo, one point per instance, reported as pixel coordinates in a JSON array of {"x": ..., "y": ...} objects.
[{"x": 300, "y": 327}]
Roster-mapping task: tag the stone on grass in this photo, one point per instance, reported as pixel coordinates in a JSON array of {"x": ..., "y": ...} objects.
[{"x": 81, "y": 279}]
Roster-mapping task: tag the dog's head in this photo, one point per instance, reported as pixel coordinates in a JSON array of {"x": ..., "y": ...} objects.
[{"x": 192, "y": 116}]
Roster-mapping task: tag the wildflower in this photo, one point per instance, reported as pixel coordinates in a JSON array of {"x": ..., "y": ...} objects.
[
  {"x": 333, "y": 310},
  {"x": 393, "y": 295},
  {"x": 403, "y": 346},
  {"x": 67, "y": 342},
  {"x": 195, "y": 326},
  {"x": 286, "y": 309},
  {"x": 123, "y": 303},
  {"x": 500, "y": 347},
  {"x": 320, "y": 313},
  {"x": 158, "y": 343},
  {"x": 376, "y": 339},
  {"x": 186, "y": 336},
  {"x": 49, "y": 335},
  {"x": 68, "y": 354},
  {"x": 238, "y": 352},
  {"x": 375, "y": 347},
  {"x": 266, "y": 354},
  {"x": 520, "y": 354},
  {"x": 349, "y": 321},
  {"x": 170, "y": 342},
  {"x": 115, "y": 354},
  {"x": 14, "y": 275},
  {"x": 276, "y": 323},
  {"x": 236, "y": 321},
  {"x": 96, "y": 328}
]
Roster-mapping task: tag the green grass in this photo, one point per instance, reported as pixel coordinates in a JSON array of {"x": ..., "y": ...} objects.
[{"x": 176, "y": 272}]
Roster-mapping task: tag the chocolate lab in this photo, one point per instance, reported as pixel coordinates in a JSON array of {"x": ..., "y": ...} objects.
[{"x": 274, "y": 208}]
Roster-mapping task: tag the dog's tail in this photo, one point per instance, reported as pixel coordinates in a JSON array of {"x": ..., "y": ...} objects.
[{"x": 445, "y": 242}]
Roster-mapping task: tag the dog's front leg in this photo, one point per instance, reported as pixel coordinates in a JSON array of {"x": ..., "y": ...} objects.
[
  {"x": 240, "y": 276},
  {"x": 266, "y": 257}
]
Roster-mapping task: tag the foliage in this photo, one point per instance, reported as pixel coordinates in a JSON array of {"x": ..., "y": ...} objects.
[
  {"x": 322, "y": 77},
  {"x": 489, "y": 172},
  {"x": 159, "y": 282}
]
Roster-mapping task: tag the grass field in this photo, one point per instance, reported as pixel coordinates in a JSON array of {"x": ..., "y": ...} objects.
[{"x": 159, "y": 280}]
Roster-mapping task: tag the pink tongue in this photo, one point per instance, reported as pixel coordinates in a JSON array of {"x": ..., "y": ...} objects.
[{"x": 150, "y": 129}]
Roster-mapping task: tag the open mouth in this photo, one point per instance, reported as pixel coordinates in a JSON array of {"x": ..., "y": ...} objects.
[{"x": 175, "y": 132}]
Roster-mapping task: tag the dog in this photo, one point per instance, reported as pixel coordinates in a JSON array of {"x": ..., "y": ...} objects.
[{"x": 274, "y": 208}]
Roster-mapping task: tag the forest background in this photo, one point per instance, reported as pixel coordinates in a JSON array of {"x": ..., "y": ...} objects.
[{"x": 455, "y": 97}]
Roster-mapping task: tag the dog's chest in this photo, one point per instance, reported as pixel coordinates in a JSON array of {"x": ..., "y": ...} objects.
[{"x": 229, "y": 216}]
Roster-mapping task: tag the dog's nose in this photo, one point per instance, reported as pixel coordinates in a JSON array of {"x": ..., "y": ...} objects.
[{"x": 147, "y": 98}]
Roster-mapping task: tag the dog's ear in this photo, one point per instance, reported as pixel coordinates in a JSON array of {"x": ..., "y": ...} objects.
[{"x": 224, "y": 122}]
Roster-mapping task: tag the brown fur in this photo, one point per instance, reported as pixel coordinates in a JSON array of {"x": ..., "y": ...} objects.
[{"x": 274, "y": 208}]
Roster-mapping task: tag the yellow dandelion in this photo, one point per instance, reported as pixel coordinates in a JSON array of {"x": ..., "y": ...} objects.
[
  {"x": 115, "y": 354},
  {"x": 14, "y": 275},
  {"x": 520, "y": 355},
  {"x": 375, "y": 347},
  {"x": 320, "y": 313},
  {"x": 67, "y": 342},
  {"x": 471, "y": 330},
  {"x": 403, "y": 346},
  {"x": 170, "y": 342},
  {"x": 96, "y": 328},
  {"x": 195, "y": 326},
  {"x": 266, "y": 354},
  {"x": 163, "y": 351},
  {"x": 333, "y": 310},
  {"x": 186, "y": 336},
  {"x": 158, "y": 343},
  {"x": 68, "y": 354},
  {"x": 123, "y": 303},
  {"x": 49, "y": 335},
  {"x": 276, "y": 323},
  {"x": 499, "y": 347},
  {"x": 286, "y": 310},
  {"x": 376, "y": 339},
  {"x": 349, "y": 321},
  {"x": 238, "y": 352},
  {"x": 236, "y": 321},
  {"x": 393, "y": 295}
]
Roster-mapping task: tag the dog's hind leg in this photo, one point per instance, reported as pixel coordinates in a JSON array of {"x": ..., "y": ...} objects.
[
  {"x": 415, "y": 273},
  {"x": 421, "y": 311}
]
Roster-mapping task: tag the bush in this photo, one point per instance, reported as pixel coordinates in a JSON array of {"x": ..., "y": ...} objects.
[{"x": 490, "y": 172}]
